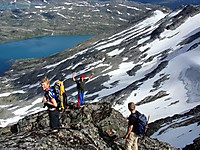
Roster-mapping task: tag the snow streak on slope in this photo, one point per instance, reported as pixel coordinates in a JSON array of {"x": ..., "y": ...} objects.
[
  {"x": 120, "y": 74},
  {"x": 20, "y": 113},
  {"x": 179, "y": 137}
]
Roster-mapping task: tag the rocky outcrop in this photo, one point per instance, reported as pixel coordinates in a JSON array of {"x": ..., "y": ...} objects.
[{"x": 93, "y": 127}]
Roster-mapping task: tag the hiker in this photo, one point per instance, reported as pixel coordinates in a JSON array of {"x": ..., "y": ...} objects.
[
  {"x": 80, "y": 87},
  {"x": 50, "y": 102},
  {"x": 130, "y": 136}
]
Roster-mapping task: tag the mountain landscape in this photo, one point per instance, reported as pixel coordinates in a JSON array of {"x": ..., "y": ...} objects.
[
  {"x": 152, "y": 60},
  {"x": 28, "y": 18}
]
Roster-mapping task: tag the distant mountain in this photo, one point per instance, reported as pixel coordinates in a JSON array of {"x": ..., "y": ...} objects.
[
  {"x": 173, "y": 4},
  {"x": 153, "y": 61},
  {"x": 22, "y": 19}
]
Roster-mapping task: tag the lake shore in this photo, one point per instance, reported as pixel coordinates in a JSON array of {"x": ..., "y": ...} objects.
[{"x": 36, "y": 47}]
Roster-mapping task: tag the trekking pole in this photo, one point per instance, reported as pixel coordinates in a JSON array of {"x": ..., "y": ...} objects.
[{"x": 147, "y": 126}]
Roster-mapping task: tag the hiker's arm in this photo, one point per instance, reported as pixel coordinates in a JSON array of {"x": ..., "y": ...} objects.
[
  {"x": 44, "y": 100},
  {"x": 52, "y": 102},
  {"x": 92, "y": 74},
  {"x": 129, "y": 130},
  {"x": 73, "y": 78},
  {"x": 147, "y": 124}
]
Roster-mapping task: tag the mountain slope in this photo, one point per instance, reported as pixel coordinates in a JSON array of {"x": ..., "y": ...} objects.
[
  {"x": 22, "y": 19},
  {"x": 153, "y": 62}
]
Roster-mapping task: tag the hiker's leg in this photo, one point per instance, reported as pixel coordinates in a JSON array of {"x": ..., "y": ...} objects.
[
  {"x": 65, "y": 100},
  {"x": 135, "y": 141},
  {"x": 54, "y": 119},
  {"x": 79, "y": 102},
  {"x": 130, "y": 142},
  {"x": 50, "y": 119},
  {"x": 57, "y": 120},
  {"x": 82, "y": 98}
]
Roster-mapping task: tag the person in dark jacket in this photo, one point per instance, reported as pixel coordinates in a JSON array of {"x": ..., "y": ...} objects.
[
  {"x": 50, "y": 102},
  {"x": 81, "y": 87},
  {"x": 130, "y": 136}
]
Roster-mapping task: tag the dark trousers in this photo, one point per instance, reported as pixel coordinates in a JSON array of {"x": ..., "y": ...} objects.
[{"x": 54, "y": 119}]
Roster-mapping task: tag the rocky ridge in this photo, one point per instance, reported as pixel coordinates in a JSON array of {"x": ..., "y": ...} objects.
[{"x": 93, "y": 127}]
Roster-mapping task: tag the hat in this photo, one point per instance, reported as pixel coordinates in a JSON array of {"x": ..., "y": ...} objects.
[{"x": 82, "y": 76}]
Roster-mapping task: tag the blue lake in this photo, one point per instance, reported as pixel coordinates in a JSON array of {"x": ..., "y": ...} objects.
[{"x": 36, "y": 47}]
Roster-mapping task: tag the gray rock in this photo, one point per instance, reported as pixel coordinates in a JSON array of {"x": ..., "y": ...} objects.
[{"x": 93, "y": 127}]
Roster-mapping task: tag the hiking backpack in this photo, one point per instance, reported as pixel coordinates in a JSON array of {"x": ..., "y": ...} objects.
[
  {"x": 61, "y": 97},
  {"x": 142, "y": 123}
]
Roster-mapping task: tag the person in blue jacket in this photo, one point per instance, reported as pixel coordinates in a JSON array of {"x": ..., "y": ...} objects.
[{"x": 50, "y": 102}]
